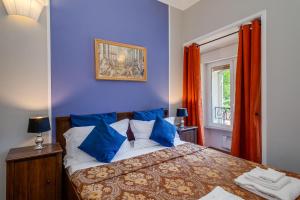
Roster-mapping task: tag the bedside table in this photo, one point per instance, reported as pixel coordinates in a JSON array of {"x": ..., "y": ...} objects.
[
  {"x": 188, "y": 133},
  {"x": 34, "y": 174}
]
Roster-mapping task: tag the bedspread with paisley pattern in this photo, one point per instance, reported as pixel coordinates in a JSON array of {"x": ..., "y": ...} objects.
[{"x": 186, "y": 171}]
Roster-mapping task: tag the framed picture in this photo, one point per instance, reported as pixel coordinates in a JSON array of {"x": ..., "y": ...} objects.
[{"x": 118, "y": 61}]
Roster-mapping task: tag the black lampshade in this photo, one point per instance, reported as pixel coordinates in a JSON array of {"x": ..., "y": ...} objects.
[
  {"x": 182, "y": 112},
  {"x": 38, "y": 124}
]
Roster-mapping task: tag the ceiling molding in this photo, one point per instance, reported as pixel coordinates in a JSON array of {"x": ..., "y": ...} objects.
[{"x": 180, "y": 4}]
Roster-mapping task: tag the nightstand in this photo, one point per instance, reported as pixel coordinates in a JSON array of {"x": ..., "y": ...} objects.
[
  {"x": 34, "y": 174},
  {"x": 188, "y": 133}
]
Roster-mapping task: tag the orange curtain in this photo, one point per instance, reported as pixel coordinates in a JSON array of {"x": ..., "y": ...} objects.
[
  {"x": 246, "y": 135},
  {"x": 192, "y": 99}
]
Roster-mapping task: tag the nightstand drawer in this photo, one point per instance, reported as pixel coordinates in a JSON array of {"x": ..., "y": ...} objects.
[
  {"x": 43, "y": 174},
  {"x": 35, "y": 179},
  {"x": 188, "y": 134}
]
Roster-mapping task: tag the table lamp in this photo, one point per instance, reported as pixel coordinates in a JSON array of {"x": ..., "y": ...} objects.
[
  {"x": 182, "y": 112},
  {"x": 38, "y": 125}
]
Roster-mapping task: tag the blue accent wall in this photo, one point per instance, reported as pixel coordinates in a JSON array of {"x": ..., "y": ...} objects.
[{"x": 74, "y": 26}]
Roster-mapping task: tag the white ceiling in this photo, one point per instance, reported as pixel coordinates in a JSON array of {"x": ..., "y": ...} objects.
[
  {"x": 227, "y": 41},
  {"x": 180, "y": 4}
]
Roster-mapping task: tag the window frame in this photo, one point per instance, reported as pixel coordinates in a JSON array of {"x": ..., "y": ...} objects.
[{"x": 208, "y": 97}]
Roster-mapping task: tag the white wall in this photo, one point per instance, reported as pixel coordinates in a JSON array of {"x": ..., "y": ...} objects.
[
  {"x": 221, "y": 53},
  {"x": 176, "y": 59},
  {"x": 283, "y": 94},
  {"x": 214, "y": 137},
  {"x": 23, "y": 81}
]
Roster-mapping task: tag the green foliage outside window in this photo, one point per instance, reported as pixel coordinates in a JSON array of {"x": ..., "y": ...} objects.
[{"x": 226, "y": 88}]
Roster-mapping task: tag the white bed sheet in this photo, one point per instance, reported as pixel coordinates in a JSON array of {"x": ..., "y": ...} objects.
[{"x": 133, "y": 152}]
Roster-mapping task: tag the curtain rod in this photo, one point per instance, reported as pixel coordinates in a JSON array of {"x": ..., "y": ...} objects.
[{"x": 198, "y": 45}]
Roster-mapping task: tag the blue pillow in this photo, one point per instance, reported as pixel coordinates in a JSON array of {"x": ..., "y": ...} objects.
[
  {"x": 163, "y": 132},
  {"x": 92, "y": 119},
  {"x": 148, "y": 115},
  {"x": 103, "y": 142}
]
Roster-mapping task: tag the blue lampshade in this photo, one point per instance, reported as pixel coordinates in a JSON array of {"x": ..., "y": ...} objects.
[
  {"x": 182, "y": 112},
  {"x": 38, "y": 124}
]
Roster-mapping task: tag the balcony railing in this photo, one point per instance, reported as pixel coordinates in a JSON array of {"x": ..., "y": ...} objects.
[{"x": 223, "y": 113}]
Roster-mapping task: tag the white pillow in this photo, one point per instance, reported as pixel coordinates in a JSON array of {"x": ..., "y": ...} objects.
[
  {"x": 171, "y": 120},
  {"x": 121, "y": 126},
  {"x": 76, "y": 135},
  {"x": 141, "y": 129}
]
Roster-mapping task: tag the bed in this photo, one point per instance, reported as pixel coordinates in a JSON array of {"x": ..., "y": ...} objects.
[{"x": 186, "y": 171}]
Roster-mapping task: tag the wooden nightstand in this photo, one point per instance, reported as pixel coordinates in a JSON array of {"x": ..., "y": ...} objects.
[
  {"x": 188, "y": 133},
  {"x": 34, "y": 174}
]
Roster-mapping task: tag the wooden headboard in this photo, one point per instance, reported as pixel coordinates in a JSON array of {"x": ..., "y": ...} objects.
[{"x": 64, "y": 123}]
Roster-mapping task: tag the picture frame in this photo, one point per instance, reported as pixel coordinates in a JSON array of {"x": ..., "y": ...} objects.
[{"x": 120, "y": 61}]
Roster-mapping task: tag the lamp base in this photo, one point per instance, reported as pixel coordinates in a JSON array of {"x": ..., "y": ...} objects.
[
  {"x": 39, "y": 142},
  {"x": 182, "y": 122}
]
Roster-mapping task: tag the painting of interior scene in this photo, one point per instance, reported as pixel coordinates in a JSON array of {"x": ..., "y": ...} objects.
[{"x": 118, "y": 61}]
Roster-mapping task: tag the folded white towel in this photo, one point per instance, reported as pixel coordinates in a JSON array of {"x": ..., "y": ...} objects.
[
  {"x": 268, "y": 175},
  {"x": 220, "y": 194},
  {"x": 289, "y": 192},
  {"x": 271, "y": 185}
]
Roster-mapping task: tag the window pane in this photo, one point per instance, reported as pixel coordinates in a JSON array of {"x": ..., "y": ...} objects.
[{"x": 221, "y": 113}]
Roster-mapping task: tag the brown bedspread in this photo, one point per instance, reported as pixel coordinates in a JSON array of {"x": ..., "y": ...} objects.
[{"x": 187, "y": 172}]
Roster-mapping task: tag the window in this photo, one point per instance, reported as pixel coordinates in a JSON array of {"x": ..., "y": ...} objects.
[{"x": 220, "y": 94}]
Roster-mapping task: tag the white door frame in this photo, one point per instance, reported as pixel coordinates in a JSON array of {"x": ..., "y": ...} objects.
[
  {"x": 263, "y": 16},
  {"x": 49, "y": 71}
]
